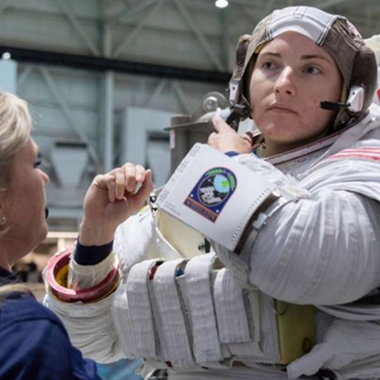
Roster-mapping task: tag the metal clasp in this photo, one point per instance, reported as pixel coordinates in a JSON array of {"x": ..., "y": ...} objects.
[
  {"x": 152, "y": 202},
  {"x": 158, "y": 374}
]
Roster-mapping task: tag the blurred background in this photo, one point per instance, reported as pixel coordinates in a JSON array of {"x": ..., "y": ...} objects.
[{"x": 110, "y": 81}]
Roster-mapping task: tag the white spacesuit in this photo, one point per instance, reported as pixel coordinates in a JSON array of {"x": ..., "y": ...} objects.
[{"x": 211, "y": 315}]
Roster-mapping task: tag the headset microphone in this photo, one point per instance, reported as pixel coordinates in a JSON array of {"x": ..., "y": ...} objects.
[
  {"x": 354, "y": 102},
  {"x": 333, "y": 106}
]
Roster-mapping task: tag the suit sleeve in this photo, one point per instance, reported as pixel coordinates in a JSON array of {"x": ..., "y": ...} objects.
[{"x": 322, "y": 249}]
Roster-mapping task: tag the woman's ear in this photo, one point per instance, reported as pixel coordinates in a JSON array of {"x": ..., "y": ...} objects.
[
  {"x": 3, "y": 214},
  {"x": 3, "y": 221}
]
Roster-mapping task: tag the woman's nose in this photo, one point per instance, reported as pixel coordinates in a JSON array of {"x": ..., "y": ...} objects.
[{"x": 285, "y": 83}]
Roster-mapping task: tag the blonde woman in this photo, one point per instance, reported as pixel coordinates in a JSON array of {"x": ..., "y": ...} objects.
[{"x": 33, "y": 342}]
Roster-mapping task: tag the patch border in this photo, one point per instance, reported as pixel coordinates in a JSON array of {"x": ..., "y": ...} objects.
[{"x": 211, "y": 212}]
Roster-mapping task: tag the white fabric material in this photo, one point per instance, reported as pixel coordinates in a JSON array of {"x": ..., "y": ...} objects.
[
  {"x": 350, "y": 349},
  {"x": 81, "y": 276},
  {"x": 310, "y": 22},
  {"x": 137, "y": 249},
  {"x": 120, "y": 310},
  {"x": 140, "y": 311},
  {"x": 191, "y": 313},
  {"x": 205, "y": 332},
  {"x": 323, "y": 250},
  {"x": 169, "y": 304},
  {"x": 263, "y": 348},
  {"x": 99, "y": 339},
  {"x": 90, "y": 327},
  {"x": 230, "y": 309},
  {"x": 347, "y": 224}
]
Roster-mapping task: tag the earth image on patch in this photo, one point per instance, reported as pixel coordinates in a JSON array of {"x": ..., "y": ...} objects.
[
  {"x": 214, "y": 189},
  {"x": 211, "y": 193}
]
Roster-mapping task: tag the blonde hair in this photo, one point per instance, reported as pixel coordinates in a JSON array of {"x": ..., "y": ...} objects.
[
  {"x": 15, "y": 129},
  {"x": 12, "y": 288}
]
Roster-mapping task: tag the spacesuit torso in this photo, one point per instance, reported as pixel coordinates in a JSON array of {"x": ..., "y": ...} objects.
[{"x": 339, "y": 172}]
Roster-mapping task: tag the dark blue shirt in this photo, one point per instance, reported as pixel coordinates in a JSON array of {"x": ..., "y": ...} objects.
[{"x": 34, "y": 344}]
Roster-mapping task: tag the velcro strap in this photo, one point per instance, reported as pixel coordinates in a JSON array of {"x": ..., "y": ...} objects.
[
  {"x": 206, "y": 345},
  {"x": 253, "y": 348},
  {"x": 175, "y": 324},
  {"x": 120, "y": 311},
  {"x": 140, "y": 310},
  {"x": 230, "y": 309},
  {"x": 263, "y": 346}
]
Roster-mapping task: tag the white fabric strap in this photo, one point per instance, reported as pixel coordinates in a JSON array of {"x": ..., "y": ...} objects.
[
  {"x": 193, "y": 313},
  {"x": 269, "y": 343},
  {"x": 254, "y": 312},
  {"x": 140, "y": 310},
  {"x": 175, "y": 326},
  {"x": 160, "y": 343},
  {"x": 86, "y": 276},
  {"x": 258, "y": 320},
  {"x": 206, "y": 345},
  {"x": 120, "y": 311},
  {"x": 239, "y": 317},
  {"x": 230, "y": 309}
]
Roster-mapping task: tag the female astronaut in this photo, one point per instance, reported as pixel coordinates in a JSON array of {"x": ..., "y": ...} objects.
[{"x": 307, "y": 80}]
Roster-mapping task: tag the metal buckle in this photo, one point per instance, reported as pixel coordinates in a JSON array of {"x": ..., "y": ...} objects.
[{"x": 158, "y": 374}]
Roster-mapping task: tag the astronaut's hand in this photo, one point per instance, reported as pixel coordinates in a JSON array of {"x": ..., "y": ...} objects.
[
  {"x": 226, "y": 139},
  {"x": 111, "y": 199}
]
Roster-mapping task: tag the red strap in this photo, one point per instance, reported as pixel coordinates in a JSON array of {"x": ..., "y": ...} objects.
[
  {"x": 56, "y": 273},
  {"x": 364, "y": 153}
]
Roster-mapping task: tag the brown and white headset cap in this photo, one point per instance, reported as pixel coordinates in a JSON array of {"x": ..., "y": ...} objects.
[{"x": 334, "y": 33}]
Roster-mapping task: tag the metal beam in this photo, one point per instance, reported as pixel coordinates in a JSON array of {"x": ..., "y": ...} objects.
[
  {"x": 77, "y": 26},
  {"x": 66, "y": 110},
  {"x": 106, "y": 32},
  {"x": 161, "y": 85},
  {"x": 108, "y": 102},
  {"x": 226, "y": 48},
  {"x": 106, "y": 110},
  {"x": 181, "y": 98},
  {"x": 132, "y": 35},
  {"x": 101, "y": 64},
  {"x": 206, "y": 47},
  {"x": 130, "y": 14},
  {"x": 108, "y": 5},
  {"x": 24, "y": 75}
]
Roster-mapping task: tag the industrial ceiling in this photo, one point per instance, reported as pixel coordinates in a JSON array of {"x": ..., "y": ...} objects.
[{"x": 103, "y": 77}]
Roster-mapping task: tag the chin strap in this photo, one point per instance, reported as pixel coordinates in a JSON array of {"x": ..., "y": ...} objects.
[
  {"x": 237, "y": 112},
  {"x": 239, "y": 105}
]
